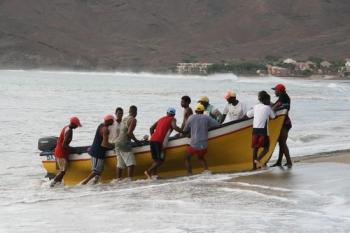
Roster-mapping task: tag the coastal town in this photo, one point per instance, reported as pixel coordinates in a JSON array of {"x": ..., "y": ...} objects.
[{"x": 288, "y": 67}]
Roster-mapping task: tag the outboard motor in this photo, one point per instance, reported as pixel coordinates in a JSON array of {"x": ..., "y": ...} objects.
[{"x": 47, "y": 144}]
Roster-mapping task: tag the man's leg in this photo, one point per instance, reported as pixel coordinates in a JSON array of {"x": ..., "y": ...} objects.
[
  {"x": 88, "y": 178},
  {"x": 156, "y": 153},
  {"x": 63, "y": 166},
  {"x": 120, "y": 163},
  {"x": 188, "y": 164},
  {"x": 285, "y": 147},
  {"x": 97, "y": 168},
  {"x": 281, "y": 142},
  {"x": 119, "y": 173},
  {"x": 255, "y": 152},
  {"x": 203, "y": 161},
  {"x": 263, "y": 153},
  {"x": 131, "y": 171},
  {"x": 58, "y": 178},
  {"x": 152, "y": 171}
]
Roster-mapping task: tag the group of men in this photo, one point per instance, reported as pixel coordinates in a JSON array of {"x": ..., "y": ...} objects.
[{"x": 117, "y": 133}]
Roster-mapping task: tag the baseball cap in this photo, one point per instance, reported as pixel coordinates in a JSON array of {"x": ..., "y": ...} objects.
[
  {"x": 108, "y": 117},
  {"x": 75, "y": 121},
  {"x": 204, "y": 99},
  {"x": 230, "y": 94},
  {"x": 199, "y": 107},
  {"x": 279, "y": 87},
  {"x": 171, "y": 110}
]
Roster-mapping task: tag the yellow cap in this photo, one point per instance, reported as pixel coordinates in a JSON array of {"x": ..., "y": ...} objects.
[
  {"x": 199, "y": 108},
  {"x": 204, "y": 99}
]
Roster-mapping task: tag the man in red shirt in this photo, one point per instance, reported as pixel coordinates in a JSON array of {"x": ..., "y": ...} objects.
[
  {"x": 160, "y": 132},
  {"x": 63, "y": 150}
]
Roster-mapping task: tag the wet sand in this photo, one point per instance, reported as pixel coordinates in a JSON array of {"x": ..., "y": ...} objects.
[
  {"x": 342, "y": 156},
  {"x": 305, "y": 171}
]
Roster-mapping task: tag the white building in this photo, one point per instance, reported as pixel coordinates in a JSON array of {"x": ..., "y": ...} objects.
[
  {"x": 325, "y": 64},
  {"x": 347, "y": 66},
  {"x": 289, "y": 61},
  {"x": 192, "y": 68}
]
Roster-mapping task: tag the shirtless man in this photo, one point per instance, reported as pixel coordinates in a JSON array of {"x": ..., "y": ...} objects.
[
  {"x": 123, "y": 148},
  {"x": 185, "y": 103}
]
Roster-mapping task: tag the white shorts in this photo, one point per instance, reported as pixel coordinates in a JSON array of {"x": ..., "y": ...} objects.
[
  {"x": 125, "y": 159},
  {"x": 62, "y": 164}
]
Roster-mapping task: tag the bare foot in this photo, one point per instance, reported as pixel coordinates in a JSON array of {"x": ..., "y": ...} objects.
[
  {"x": 148, "y": 175},
  {"x": 258, "y": 164}
]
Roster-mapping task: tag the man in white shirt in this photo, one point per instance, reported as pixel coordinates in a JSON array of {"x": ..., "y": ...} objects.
[
  {"x": 235, "y": 109},
  {"x": 261, "y": 113}
]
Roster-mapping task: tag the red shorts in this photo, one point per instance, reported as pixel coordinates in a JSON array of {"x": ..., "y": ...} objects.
[
  {"x": 259, "y": 141},
  {"x": 198, "y": 152}
]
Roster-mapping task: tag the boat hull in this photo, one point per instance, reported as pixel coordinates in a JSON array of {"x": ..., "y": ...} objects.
[{"x": 229, "y": 150}]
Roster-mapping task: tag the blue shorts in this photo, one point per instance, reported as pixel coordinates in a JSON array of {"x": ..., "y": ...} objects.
[{"x": 97, "y": 165}]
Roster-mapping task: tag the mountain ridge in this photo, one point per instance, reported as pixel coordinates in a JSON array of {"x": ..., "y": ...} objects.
[{"x": 154, "y": 35}]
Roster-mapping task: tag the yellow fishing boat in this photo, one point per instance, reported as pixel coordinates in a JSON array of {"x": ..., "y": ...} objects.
[{"x": 229, "y": 150}]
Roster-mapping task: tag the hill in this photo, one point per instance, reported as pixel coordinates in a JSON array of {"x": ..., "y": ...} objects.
[{"x": 154, "y": 35}]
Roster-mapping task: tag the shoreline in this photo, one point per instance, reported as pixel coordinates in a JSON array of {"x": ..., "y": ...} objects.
[
  {"x": 128, "y": 72},
  {"x": 307, "y": 171},
  {"x": 338, "y": 156}
]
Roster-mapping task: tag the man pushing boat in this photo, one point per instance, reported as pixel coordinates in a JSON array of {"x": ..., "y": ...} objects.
[
  {"x": 160, "y": 131},
  {"x": 123, "y": 147},
  {"x": 99, "y": 148},
  {"x": 198, "y": 126},
  {"x": 260, "y": 138},
  {"x": 63, "y": 150}
]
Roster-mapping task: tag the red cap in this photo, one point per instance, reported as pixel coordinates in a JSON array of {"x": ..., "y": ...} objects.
[
  {"x": 108, "y": 117},
  {"x": 75, "y": 121},
  {"x": 279, "y": 87}
]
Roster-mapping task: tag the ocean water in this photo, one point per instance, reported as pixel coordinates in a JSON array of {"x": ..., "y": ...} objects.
[{"x": 308, "y": 198}]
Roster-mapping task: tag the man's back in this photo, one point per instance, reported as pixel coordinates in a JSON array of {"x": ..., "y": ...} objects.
[
  {"x": 198, "y": 125},
  {"x": 261, "y": 114}
]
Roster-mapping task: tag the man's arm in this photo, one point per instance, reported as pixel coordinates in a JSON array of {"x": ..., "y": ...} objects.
[
  {"x": 105, "y": 134},
  {"x": 223, "y": 118},
  {"x": 272, "y": 114},
  {"x": 212, "y": 122},
  {"x": 175, "y": 127},
  {"x": 153, "y": 127},
  {"x": 250, "y": 113},
  {"x": 224, "y": 114},
  {"x": 187, "y": 114},
  {"x": 131, "y": 129},
  {"x": 187, "y": 127},
  {"x": 68, "y": 135},
  {"x": 216, "y": 112}
]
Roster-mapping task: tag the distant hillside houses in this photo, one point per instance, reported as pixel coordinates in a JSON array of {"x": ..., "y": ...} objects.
[
  {"x": 282, "y": 68},
  {"x": 347, "y": 65},
  {"x": 292, "y": 67}
]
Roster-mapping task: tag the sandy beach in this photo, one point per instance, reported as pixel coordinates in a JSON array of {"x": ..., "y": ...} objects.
[
  {"x": 283, "y": 177},
  {"x": 341, "y": 156}
]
